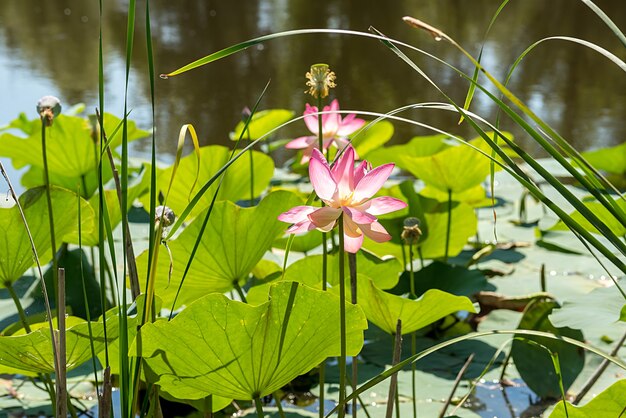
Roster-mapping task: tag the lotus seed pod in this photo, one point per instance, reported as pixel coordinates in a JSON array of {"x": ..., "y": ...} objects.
[
  {"x": 320, "y": 80},
  {"x": 48, "y": 108},
  {"x": 411, "y": 231},
  {"x": 165, "y": 213}
]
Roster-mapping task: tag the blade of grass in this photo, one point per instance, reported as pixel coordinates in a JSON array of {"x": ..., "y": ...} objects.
[
  {"x": 616, "y": 241},
  {"x": 128, "y": 387},
  {"x": 607, "y": 21},
  {"x": 472, "y": 86}
]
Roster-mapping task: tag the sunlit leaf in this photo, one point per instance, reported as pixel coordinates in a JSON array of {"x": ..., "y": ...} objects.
[
  {"x": 16, "y": 255},
  {"x": 32, "y": 352},
  {"x": 384, "y": 309},
  {"x": 371, "y": 137},
  {"x": 608, "y": 403},
  {"x": 602, "y": 213},
  {"x": 457, "y": 168},
  {"x": 419, "y": 146},
  {"x": 236, "y": 184},
  {"x": 235, "y": 350},
  {"x": 308, "y": 270},
  {"x": 612, "y": 160},
  {"x": 234, "y": 241}
]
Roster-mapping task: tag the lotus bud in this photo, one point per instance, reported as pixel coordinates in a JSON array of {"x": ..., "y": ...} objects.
[
  {"x": 48, "y": 108},
  {"x": 411, "y": 231},
  {"x": 320, "y": 80},
  {"x": 166, "y": 214},
  {"x": 245, "y": 114}
]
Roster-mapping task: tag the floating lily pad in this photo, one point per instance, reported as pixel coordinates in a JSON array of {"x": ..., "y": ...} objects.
[
  {"x": 600, "y": 306},
  {"x": 233, "y": 243},
  {"x": 534, "y": 363},
  {"x": 235, "y": 350}
]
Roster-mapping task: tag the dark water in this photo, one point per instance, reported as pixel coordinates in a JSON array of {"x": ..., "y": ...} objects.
[{"x": 50, "y": 47}]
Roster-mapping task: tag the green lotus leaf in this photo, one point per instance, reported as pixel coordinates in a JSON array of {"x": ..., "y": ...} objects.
[
  {"x": 69, "y": 143},
  {"x": 15, "y": 249},
  {"x": 419, "y": 146},
  {"x": 476, "y": 197},
  {"x": 371, "y": 137},
  {"x": 235, "y": 186},
  {"x": 600, "y": 306},
  {"x": 138, "y": 183},
  {"x": 32, "y": 353},
  {"x": 612, "y": 160},
  {"x": 308, "y": 270},
  {"x": 457, "y": 280},
  {"x": 602, "y": 213},
  {"x": 234, "y": 350},
  {"x": 262, "y": 122},
  {"x": 433, "y": 216},
  {"x": 384, "y": 309},
  {"x": 456, "y": 168},
  {"x": 608, "y": 403},
  {"x": 534, "y": 363},
  {"x": 301, "y": 243},
  {"x": 233, "y": 243}
]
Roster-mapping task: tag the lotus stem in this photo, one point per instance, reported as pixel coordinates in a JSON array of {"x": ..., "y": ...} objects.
[
  {"x": 353, "y": 292},
  {"x": 448, "y": 225},
  {"x": 342, "y": 320},
  {"x": 259, "y": 407},
  {"x": 413, "y": 334},
  {"x": 208, "y": 407},
  {"x": 393, "y": 385}
]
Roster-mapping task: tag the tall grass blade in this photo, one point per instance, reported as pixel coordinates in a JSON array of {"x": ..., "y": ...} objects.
[{"x": 607, "y": 20}]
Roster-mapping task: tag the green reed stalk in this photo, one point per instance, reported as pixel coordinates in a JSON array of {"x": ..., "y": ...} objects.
[
  {"x": 342, "y": 319},
  {"x": 86, "y": 300},
  {"x": 129, "y": 384},
  {"x": 46, "y": 181}
]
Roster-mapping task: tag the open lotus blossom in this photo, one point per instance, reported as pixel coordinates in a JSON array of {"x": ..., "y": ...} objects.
[
  {"x": 345, "y": 190},
  {"x": 334, "y": 129}
]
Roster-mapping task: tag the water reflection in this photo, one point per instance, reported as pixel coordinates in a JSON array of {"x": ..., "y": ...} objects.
[{"x": 51, "y": 47}]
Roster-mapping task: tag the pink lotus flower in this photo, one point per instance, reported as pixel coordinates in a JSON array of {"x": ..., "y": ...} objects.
[
  {"x": 334, "y": 129},
  {"x": 345, "y": 190}
]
